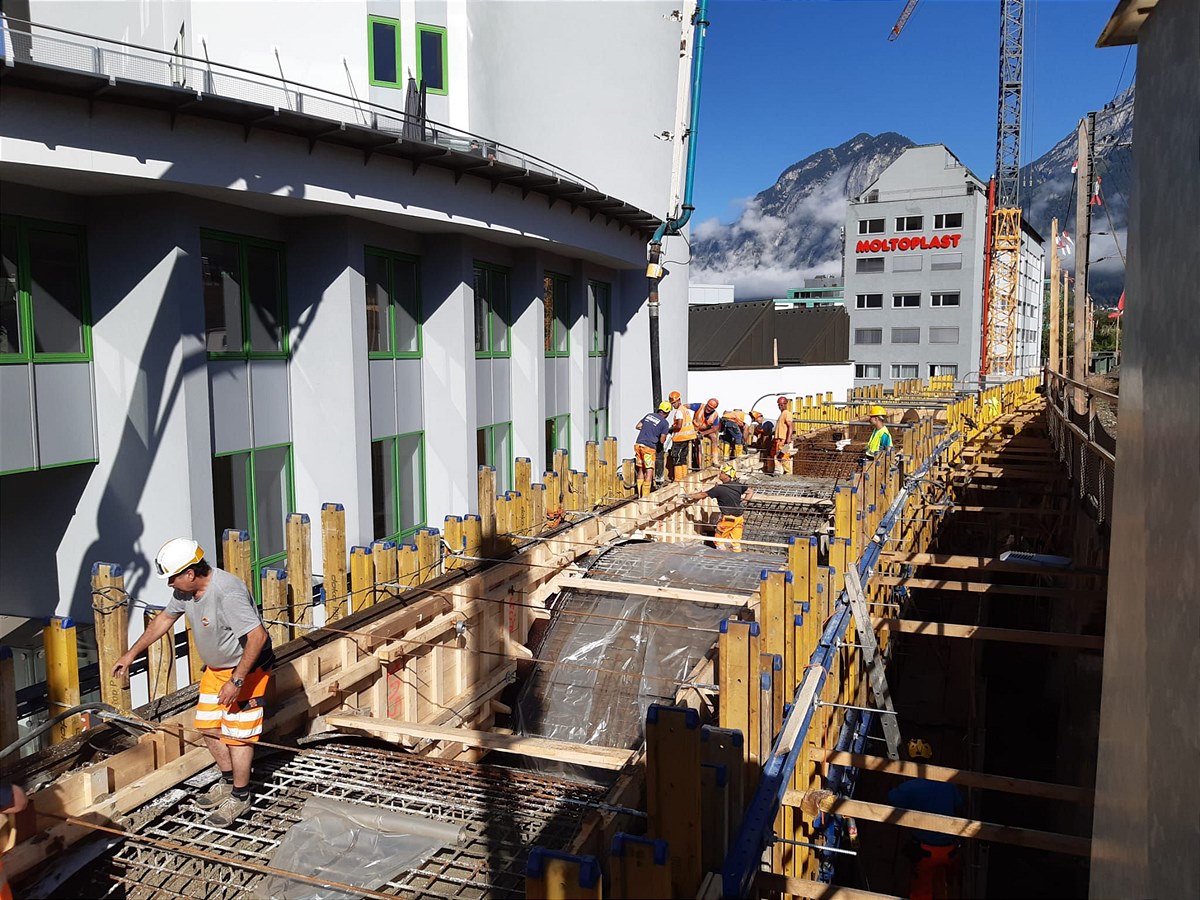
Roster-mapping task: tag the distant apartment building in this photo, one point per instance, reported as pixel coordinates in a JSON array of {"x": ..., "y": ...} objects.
[
  {"x": 709, "y": 293},
  {"x": 914, "y": 273}
]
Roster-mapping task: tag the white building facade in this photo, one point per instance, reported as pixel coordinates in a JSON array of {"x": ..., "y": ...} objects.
[
  {"x": 239, "y": 282},
  {"x": 914, "y": 274}
]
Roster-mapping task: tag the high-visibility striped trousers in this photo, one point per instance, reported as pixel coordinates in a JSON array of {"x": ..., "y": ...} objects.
[
  {"x": 241, "y": 722},
  {"x": 730, "y": 527}
]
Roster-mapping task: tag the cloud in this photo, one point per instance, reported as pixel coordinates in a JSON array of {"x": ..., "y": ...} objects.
[
  {"x": 755, "y": 222},
  {"x": 827, "y": 204},
  {"x": 708, "y": 229},
  {"x": 751, "y": 281}
]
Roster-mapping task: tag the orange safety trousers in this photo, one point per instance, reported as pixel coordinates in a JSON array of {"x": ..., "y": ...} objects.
[
  {"x": 241, "y": 722},
  {"x": 730, "y": 528},
  {"x": 935, "y": 872}
]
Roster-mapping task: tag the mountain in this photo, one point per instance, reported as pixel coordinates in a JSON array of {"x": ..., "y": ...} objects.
[{"x": 792, "y": 230}]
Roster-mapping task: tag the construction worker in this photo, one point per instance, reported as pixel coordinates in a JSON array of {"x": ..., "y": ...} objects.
[
  {"x": 730, "y": 495},
  {"x": 652, "y": 431},
  {"x": 781, "y": 444},
  {"x": 759, "y": 431},
  {"x": 683, "y": 435},
  {"x": 707, "y": 421},
  {"x": 881, "y": 438},
  {"x": 934, "y": 855},
  {"x": 236, "y": 650},
  {"x": 733, "y": 424},
  {"x": 12, "y": 801}
]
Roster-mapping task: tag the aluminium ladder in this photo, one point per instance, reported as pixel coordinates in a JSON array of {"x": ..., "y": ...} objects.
[{"x": 874, "y": 660}]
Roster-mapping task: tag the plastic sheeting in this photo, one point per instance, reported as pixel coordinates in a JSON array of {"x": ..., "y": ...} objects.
[{"x": 349, "y": 843}]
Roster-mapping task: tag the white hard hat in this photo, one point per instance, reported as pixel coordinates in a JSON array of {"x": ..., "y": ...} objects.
[{"x": 176, "y": 555}]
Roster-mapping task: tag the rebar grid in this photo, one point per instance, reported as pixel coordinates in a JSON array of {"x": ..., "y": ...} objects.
[
  {"x": 774, "y": 521},
  {"x": 503, "y": 811}
]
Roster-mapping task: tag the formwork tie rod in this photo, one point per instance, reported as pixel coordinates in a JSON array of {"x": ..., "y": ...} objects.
[{"x": 821, "y": 847}]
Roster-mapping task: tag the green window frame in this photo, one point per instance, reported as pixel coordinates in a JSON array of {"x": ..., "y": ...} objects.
[
  {"x": 392, "y": 296},
  {"x": 558, "y": 436},
  {"x": 398, "y": 462},
  {"x": 599, "y": 424},
  {"x": 247, "y": 502},
  {"x": 556, "y": 306},
  {"x": 380, "y": 64},
  {"x": 489, "y": 441},
  {"x": 492, "y": 303},
  {"x": 437, "y": 78},
  {"x": 254, "y": 267},
  {"x": 599, "y": 323},
  {"x": 29, "y": 251}
]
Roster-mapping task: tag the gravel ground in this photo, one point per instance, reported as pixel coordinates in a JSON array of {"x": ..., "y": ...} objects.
[{"x": 1106, "y": 410}]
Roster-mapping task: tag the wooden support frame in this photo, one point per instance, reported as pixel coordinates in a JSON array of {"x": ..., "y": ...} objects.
[
  {"x": 673, "y": 792},
  {"x": 981, "y": 587},
  {"x": 987, "y": 633},
  {"x": 982, "y": 563},
  {"x": 602, "y": 586}
]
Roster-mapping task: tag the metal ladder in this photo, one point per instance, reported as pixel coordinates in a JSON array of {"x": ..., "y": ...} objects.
[{"x": 870, "y": 650}]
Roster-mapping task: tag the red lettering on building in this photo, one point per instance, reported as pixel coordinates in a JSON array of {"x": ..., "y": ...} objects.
[{"x": 887, "y": 245}]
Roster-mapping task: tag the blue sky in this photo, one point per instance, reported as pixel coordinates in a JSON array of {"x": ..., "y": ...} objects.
[{"x": 785, "y": 78}]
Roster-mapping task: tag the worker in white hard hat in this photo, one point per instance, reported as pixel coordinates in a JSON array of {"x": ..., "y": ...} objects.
[
  {"x": 881, "y": 438},
  {"x": 730, "y": 495},
  {"x": 236, "y": 650}
]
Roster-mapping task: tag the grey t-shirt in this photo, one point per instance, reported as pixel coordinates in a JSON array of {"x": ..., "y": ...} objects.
[{"x": 220, "y": 619}]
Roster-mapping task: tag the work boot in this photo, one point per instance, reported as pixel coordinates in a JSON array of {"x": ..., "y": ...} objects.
[
  {"x": 216, "y": 795},
  {"x": 227, "y": 813}
]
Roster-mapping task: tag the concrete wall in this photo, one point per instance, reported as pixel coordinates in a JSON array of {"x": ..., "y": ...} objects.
[
  {"x": 1148, "y": 784},
  {"x": 740, "y": 388}
]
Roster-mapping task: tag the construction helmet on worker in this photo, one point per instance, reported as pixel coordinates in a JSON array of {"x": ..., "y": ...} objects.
[{"x": 881, "y": 438}]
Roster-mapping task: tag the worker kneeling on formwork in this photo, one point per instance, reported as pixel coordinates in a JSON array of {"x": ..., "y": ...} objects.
[
  {"x": 730, "y": 495},
  {"x": 237, "y": 655}
]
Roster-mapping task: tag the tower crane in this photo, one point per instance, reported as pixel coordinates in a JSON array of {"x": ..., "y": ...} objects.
[{"x": 1002, "y": 254}]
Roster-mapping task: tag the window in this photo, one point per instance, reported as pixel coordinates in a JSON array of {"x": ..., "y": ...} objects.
[
  {"x": 948, "y": 220},
  {"x": 432, "y": 67},
  {"x": 867, "y": 370},
  {"x": 491, "y": 311},
  {"x": 908, "y": 262},
  {"x": 906, "y": 335},
  {"x": 393, "y": 299},
  {"x": 383, "y": 51},
  {"x": 904, "y": 370},
  {"x": 943, "y": 335},
  {"x": 944, "y": 261},
  {"x": 906, "y": 301},
  {"x": 937, "y": 369},
  {"x": 944, "y": 299},
  {"x": 398, "y": 485},
  {"x": 599, "y": 425},
  {"x": 252, "y": 491},
  {"x": 558, "y": 436},
  {"x": 909, "y": 223},
  {"x": 868, "y": 301},
  {"x": 43, "y": 292},
  {"x": 868, "y": 335},
  {"x": 867, "y": 265},
  {"x": 244, "y": 308},
  {"x": 599, "y": 297},
  {"x": 493, "y": 447},
  {"x": 870, "y": 226},
  {"x": 556, "y": 299}
]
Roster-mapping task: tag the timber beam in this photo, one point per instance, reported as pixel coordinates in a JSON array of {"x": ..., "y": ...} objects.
[
  {"x": 827, "y": 801},
  {"x": 987, "y": 633},
  {"x": 989, "y": 563},
  {"x": 602, "y": 586},
  {"x": 979, "y": 587}
]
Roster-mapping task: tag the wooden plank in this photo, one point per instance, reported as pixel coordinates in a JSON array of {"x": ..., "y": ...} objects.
[
  {"x": 1003, "y": 783},
  {"x": 274, "y": 604},
  {"x": 362, "y": 578},
  {"x": 978, "y": 587},
  {"x": 611, "y": 758},
  {"x": 673, "y": 792},
  {"x": 110, "y": 613},
  {"x": 988, "y": 563},
  {"x": 487, "y": 509},
  {"x": 333, "y": 561},
  {"x": 452, "y": 526},
  {"x": 62, "y": 675},
  {"x": 953, "y": 825},
  {"x": 235, "y": 554},
  {"x": 600, "y": 585},
  {"x": 429, "y": 554},
  {"x": 986, "y": 633},
  {"x": 771, "y": 884},
  {"x": 298, "y": 535},
  {"x": 639, "y": 867},
  {"x": 160, "y": 663}
]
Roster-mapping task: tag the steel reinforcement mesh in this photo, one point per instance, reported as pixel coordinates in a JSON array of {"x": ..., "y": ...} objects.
[
  {"x": 787, "y": 505},
  {"x": 504, "y": 813}
]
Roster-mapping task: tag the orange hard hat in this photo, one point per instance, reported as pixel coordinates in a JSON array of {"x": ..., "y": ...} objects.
[
  {"x": 675, "y": 395},
  {"x": 713, "y": 402}
]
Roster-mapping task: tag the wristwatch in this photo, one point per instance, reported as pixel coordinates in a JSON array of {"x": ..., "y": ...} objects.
[{"x": 237, "y": 682}]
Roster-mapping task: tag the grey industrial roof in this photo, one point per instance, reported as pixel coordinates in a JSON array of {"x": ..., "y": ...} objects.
[{"x": 755, "y": 334}]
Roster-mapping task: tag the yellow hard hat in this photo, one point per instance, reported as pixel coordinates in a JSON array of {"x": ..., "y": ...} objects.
[
  {"x": 664, "y": 406},
  {"x": 729, "y": 470},
  {"x": 878, "y": 411}
]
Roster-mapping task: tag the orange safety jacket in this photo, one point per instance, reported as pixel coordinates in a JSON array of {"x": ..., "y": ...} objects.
[
  {"x": 701, "y": 419},
  {"x": 687, "y": 428}
]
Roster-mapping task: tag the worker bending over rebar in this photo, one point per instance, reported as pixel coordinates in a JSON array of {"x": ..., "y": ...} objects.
[
  {"x": 237, "y": 655},
  {"x": 730, "y": 495}
]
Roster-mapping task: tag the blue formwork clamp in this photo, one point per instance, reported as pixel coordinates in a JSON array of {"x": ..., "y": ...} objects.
[
  {"x": 114, "y": 569},
  {"x": 589, "y": 866},
  {"x": 621, "y": 840},
  {"x": 753, "y": 626},
  {"x": 721, "y": 771},
  {"x": 691, "y": 718}
]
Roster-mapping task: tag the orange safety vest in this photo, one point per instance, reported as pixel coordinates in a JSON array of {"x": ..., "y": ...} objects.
[
  {"x": 687, "y": 428},
  {"x": 702, "y": 420}
]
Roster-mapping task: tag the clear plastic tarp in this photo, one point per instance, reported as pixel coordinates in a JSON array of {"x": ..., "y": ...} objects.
[{"x": 350, "y": 844}]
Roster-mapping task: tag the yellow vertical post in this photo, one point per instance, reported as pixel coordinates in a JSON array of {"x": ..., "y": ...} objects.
[
  {"x": 235, "y": 554},
  {"x": 579, "y": 491},
  {"x": 333, "y": 560},
  {"x": 537, "y": 508},
  {"x": 639, "y": 868},
  {"x": 561, "y": 466},
  {"x": 737, "y": 676},
  {"x": 715, "y": 816},
  {"x": 274, "y": 604},
  {"x": 160, "y": 662},
  {"x": 8, "y": 697},
  {"x": 472, "y": 537},
  {"x": 553, "y": 493},
  {"x": 628, "y": 478},
  {"x": 610, "y": 456},
  {"x": 725, "y": 747},
  {"x": 673, "y": 800},
  {"x": 385, "y": 576},
  {"x": 408, "y": 566},
  {"x": 62, "y": 674},
  {"x": 591, "y": 468},
  {"x": 452, "y": 526},
  {"x": 554, "y": 875},
  {"x": 110, "y": 613},
  {"x": 429, "y": 554},
  {"x": 487, "y": 509},
  {"x": 362, "y": 578},
  {"x": 299, "y": 567},
  {"x": 522, "y": 483}
]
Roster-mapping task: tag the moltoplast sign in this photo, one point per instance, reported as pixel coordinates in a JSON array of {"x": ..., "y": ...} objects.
[{"x": 887, "y": 245}]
